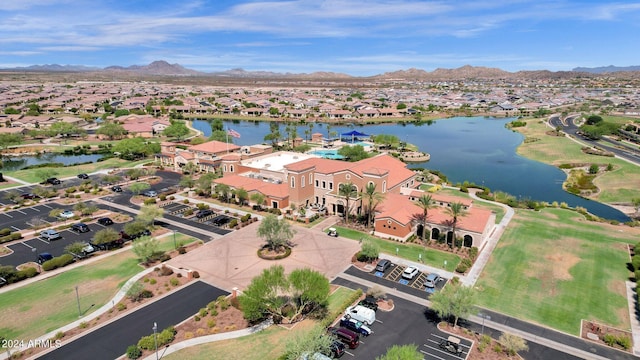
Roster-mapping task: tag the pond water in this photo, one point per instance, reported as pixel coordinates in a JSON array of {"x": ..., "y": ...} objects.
[
  {"x": 474, "y": 149},
  {"x": 12, "y": 163}
]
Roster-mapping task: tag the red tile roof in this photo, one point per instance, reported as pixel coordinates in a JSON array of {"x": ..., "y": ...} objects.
[
  {"x": 249, "y": 184},
  {"x": 214, "y": 147}
]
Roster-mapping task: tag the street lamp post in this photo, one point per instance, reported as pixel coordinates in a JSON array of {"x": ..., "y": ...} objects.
[
  {"x": 78, "y": 300},
  {"x": 155, "y": 337},
  {"x": 483, "y": 316},
  {"x": 175, "y": 245}
]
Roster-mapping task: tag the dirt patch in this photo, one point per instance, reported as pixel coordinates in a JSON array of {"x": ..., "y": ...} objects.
[
  {"x": 619, "y": 338},
  {"x": 561, "y": 263}
]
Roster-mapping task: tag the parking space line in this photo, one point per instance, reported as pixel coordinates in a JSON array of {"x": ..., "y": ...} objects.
[
  {"x": 44, "y": 241},
  {"x": 346, "y": 352},
  {"x": 430, "y": 354},
  {"x": 378, "y": 321},
  {"x": 442, "y": 351},
  {"x": 27, "y": 245},
  {"x": 17, "y": 229},
  {"x": 7, "y": 215},
  {"x": 21, "y": 212},
  {"x": 47, "y": 206}
]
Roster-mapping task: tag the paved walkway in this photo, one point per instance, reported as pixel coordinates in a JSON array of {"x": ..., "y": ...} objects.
[{"x": 633, "y": 316}]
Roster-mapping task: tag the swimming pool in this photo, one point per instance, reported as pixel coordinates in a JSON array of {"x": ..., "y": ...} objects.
[{"x": 327, "y": 154}]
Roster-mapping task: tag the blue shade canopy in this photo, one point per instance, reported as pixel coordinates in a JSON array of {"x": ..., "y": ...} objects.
[{"x": 354, "y": 133}]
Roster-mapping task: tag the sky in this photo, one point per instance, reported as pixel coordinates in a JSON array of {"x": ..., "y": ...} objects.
[{"x": 356, "y": 37}]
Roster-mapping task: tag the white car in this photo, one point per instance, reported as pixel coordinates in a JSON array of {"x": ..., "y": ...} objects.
[
  {"x": 410, "y": 272},
  {"x": 360, "y": 313},
  {"x": 67, "y": 214},
  {"x": 49, "y": 235}
]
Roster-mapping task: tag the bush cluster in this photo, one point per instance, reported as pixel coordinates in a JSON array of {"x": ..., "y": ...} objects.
[
  {"x": 613, "y": 340},
  {"x": 464, "y": 265},
  {"x": 165, "y": 337},
  {"x": 245, "y": 217},
  {"x": 57, "y": 262},
  {"x": 12, "y": 275},
  {"x": 10, "y": 237}
]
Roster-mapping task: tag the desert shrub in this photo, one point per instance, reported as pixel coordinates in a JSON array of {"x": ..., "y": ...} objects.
[
  {"x": 5, "y": 231},
  {"x": 203, "y": 312},
  {"x": 609, "y": 339},
  {"x": 196, "y": 318},
  {"x": 153, "y": 281},
  {"x": 137, "y": 292},
  {"x": 462, "y": 268},
  {"x": 212, "y": 305},
  {"x": 150, "y": 201},
  {"x": 377, "y": 292},
  {"x": 473, "y": 253},
  {"x": 213, "y": 312},
  {"x": 83, "y": 325},
  {"x": 174, "y": 281},
  {"x": 182, "y": 250},
  {"x": 57, "y": 262},
  {"x": 133, "y": 352},
  {"x": 165, "y": 271},
  {"x": 188, "y": 335},
  {"x": 196, "y": 275},
  {"x": 147, "y": 343},
  {"x": 121, "y": 306},
  {"x": 233, "y": 223},
  {"x": 211, "y": 323},
  {"x": 185, "y": 201}
]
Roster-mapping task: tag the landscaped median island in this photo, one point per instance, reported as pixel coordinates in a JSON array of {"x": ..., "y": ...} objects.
[
  {"x": 33, "y": 310},
  {"x": 562, "y": 269}
]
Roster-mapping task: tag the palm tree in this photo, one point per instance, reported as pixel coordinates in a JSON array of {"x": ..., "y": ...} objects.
[
  {"x": 348, "y": 191},
  {"x": 373, "y": 199},
  {"x": 425, "y": 202},
  {"x": 455, "y": 210}
]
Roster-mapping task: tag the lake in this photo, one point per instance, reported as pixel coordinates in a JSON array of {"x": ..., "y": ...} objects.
[
  {"x": 475, "y": 149},
  {"x": 12, "y": 163}
]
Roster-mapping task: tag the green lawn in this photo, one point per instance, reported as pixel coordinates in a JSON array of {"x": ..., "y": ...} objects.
[
  {"x": 554, "y": 268},
  {"x": 29, "y": 174},
  {"x": 338, "y": 298},
  {"x": 35, "y": 309},
  {"x": 410, "y": 252}
]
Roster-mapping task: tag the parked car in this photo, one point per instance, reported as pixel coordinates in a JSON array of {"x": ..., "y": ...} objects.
[
  {"x": 125, "y": 236},
  {"x": 67, "y": 214},
  {"x": 88, "y": 248},
  {"x": 44, "y": 257},
  {"x": 29, "y": 196},
  {"x": 410, "y": 272},
  {"x": 50, "y": 235},
  {"x": 452, "y": 345},
  {"x": 337, "y": 349},
  {"x": 110, "y": 245},
  {"x": 432, "y": 280},
  {"x": 383, "y": 265},
  {"x": 314, "y": 356},
  {"x": 105, "y": 221},
  {"x": 80, "y": 228},
  {"x": 53, "y": 181},
  {"x": 116, "y": 188},
  {"x": 361, "y": 313},
  {"x": 83, "y": 176},
  {"x": 204, "y": 213},
  {"x": 150, "y": 193},
  {"x": 220, "y": 220},
  {"x": 332, "y": 232},
  {"x": 369, "y": 302},
  {"x": 355, "y": 325},
  {"x": 346, "y": 336}
]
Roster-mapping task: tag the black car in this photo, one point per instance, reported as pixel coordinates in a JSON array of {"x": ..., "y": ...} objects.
[
  {"x": 204, "y": 213},
  {"x": 220, "y": 220},
  {"x": 369, "y": 302},
  {"x": 80, "y": 228},
  {"x": 116, "y": 188},
  {"x": 126, "y": 236},
  {"x": 110, "y": 245},
  {"x": 83, "y": 176},
  {"x": 105, "y": 221},
  {"x": 29, "y": 196},
  {"x": 44, "y": 257},
  {"x": 53, "y": 181},
  {"x": 337, "y": 349}
]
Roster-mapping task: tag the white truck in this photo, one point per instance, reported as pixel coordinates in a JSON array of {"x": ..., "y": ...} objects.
[{"x": 361, "y": 313}]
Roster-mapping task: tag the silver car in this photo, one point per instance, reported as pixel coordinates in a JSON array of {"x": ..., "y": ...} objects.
[{"x": 50, "y": 235}]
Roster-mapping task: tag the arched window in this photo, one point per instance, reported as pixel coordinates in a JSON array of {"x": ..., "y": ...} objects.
[
  {"x": 293, "y": 182},
  {"x": 230, "y": 168},
  {"x": 468, "y": 241},
  {"x": 384, "y": 186},
  {"x": 370, "y": 183},
  {"x": 310, "y": 179},
  {"x": 224, "y": 168},
  {"x": 302, "y": 181}
]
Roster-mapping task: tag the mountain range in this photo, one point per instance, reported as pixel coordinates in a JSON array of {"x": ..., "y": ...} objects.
[{"x": 163, "y": 68}]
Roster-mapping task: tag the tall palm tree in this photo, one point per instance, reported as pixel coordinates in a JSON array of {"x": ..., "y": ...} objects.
[
  {"x": 348, "y": 191},
  {"x": 425, "y": 202},
  {"x": 456, "y": 210},
  {"x": 373, "y": 199}
]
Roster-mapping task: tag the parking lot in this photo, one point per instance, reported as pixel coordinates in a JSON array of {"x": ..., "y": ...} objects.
[
  {"x": 395, "y": 274},
  {"x": 407, "y": 323}
]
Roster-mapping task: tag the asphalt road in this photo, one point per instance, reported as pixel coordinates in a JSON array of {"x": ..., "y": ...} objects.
[{"x": 111, "y": 341}]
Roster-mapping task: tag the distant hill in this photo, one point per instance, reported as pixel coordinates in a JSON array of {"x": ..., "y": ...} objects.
[
  {"x": 607, "y": 69},
  {"x": 163, "y": 68}
]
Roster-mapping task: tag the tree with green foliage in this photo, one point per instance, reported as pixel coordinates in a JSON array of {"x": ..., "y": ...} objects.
[
  {"x": 276, "y": 233},
  {"x": 369, "y": 250},
  {"x": 353, "y": 153},
  {"x": 373, "y": 198},
  {"x": 85, "y": 209},
  {"x": 401, "y": 106},
  {"x": 138, "y": 187},
  {"x": 425, "y": 202},
  {"x": 223, "y": 191},
  {"x": 65, "y": 129},
  {"x": 7, "y": 139},
  {"x": 454, "y": 300},
  {"x": 9, "y": 110},
  {"x": 402, "y": 352},
  {"x": 512, "y": 344},
  {"x": 242, "y": 196},
  {"x": 593, "y": 169},
  {"x": 187, "y": 181},
  {"x": 75, "y": 248},
  {"x": 112, "y": 130},
  {"x": 105, "y": 236},
  {"x": 145, "y": 247},
  {"x": 149, "y": 213},
  {"x": 316, "y": 339},
  {"x": 259, "y": 199},
  {"x": 220, "y": 135},
  {"x": 204, "y": 183},
  {"x": 284, "y": 298},
  {"x": 135, "y": 148},
  {"x": 135, "y": 227},
  {"x": 636, "y": 204},
  {"x": 121, "y": 112},
  {"x": 456, "y": 210},
  {"x": 45, "y": 173},
  {"x": 594, "y": 120},
  {"x": 347, "y": 191},
  {"x": 274, "y": 134},
  {"x": 177, "y": 129},
  {"x": 386, "y": 140}
]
